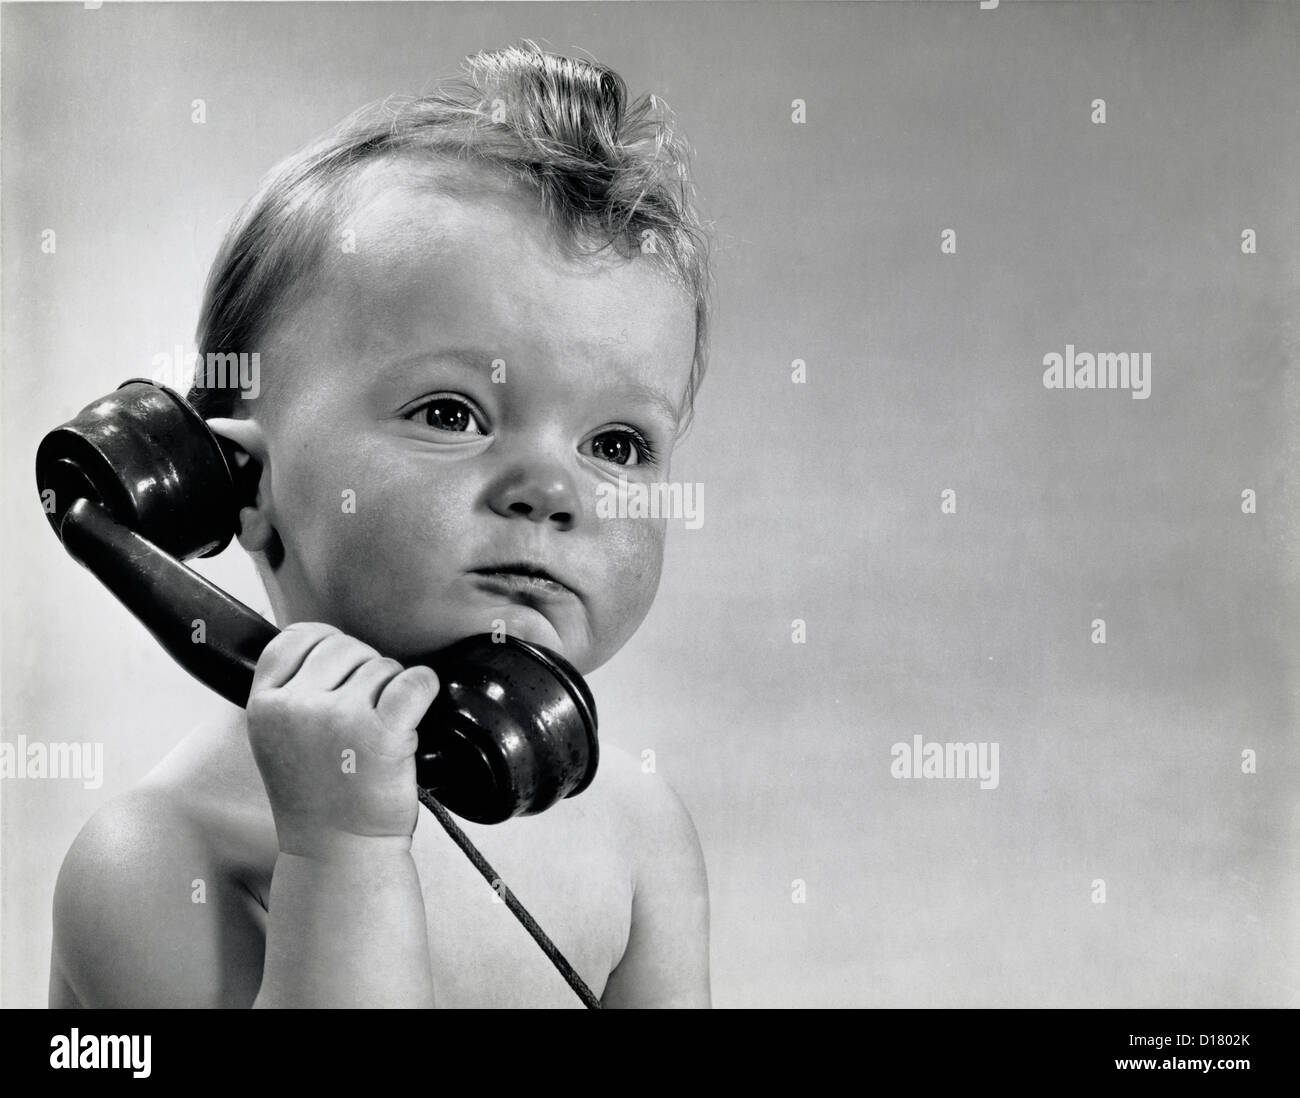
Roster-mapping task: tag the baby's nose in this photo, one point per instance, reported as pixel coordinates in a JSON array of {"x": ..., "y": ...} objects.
[{"x": 544, "y": 494}]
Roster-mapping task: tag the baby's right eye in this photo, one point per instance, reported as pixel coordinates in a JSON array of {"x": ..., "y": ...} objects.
[{"x": 448, "y": 413}]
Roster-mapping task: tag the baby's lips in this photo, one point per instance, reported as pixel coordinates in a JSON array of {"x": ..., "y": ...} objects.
[{"x": 528, "y": 566}]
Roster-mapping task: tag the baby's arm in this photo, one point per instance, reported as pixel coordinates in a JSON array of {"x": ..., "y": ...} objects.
[
  {"x": 666, "y": 963},
  {"x": 332, "y": 728}
]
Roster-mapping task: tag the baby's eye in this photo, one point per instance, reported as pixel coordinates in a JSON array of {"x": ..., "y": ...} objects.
[
  {"x": 622, "y": 447},
  {"x": 446, "y": 413}
]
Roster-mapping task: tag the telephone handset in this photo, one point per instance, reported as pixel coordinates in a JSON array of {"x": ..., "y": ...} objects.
[{"x": 137, "y": 483}]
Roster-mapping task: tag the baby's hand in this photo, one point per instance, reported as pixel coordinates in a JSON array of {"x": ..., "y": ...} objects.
[{"x": 332, "y": 727}]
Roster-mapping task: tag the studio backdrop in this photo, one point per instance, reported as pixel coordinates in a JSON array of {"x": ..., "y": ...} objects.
[{"x": 977, "y": 671}]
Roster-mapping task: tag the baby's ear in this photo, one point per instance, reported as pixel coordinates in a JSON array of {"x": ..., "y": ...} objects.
[
  {"x": 244, "y": 444},
  {"x": 245, "y": 434}
]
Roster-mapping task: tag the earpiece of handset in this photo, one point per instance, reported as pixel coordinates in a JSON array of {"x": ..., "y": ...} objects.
[{"x": 136, "y": 483}]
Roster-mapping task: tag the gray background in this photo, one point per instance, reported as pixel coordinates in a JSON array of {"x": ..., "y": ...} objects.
[{"x": 1119, "y": 762}]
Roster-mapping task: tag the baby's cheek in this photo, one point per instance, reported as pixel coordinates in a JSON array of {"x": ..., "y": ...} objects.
[
  {"x": 361, "y": 536},
  {"x": 634, "y": 549},
  {"x": 400, "y": 546}
]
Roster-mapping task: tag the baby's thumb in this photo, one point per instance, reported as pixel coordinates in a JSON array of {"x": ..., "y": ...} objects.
[{"x": 407, "y": 697}]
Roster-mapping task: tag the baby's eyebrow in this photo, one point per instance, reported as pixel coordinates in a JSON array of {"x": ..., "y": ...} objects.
[
  {"x": 462, "y": 356},
  {"x": 656, "y": 397}
]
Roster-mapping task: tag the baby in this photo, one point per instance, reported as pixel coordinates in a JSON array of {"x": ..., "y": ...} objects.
[{"x": 471, "y": 310}]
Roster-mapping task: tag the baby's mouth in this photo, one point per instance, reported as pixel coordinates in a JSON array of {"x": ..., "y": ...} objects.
[{"x": 526, "y": 582}]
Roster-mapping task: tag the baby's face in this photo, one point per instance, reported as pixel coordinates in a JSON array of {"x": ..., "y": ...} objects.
[{"x": 447, "y": 403}]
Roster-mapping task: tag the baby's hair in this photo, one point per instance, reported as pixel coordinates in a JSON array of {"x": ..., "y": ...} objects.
[{"x": 608, "y": 175}]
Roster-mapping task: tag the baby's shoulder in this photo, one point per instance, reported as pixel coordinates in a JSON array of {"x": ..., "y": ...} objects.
[
  {"x": 639, "y": 806},
  {"x": 204, "y": 801},
  {"x": 158, "y": 870},
  {"x": 666, "y": 959}
]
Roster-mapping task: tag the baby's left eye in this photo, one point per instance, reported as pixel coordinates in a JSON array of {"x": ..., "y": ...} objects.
[{"x": 622, "y": 447}]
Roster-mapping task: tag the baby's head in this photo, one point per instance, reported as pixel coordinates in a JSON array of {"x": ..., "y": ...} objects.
[{"x": 471, "y": 310}]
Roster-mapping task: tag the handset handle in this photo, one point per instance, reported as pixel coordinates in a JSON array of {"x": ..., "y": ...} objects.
[{"x": 153, "y": 585}]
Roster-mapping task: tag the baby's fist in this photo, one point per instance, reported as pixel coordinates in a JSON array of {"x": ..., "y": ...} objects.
[{"x": 332, "y": 725}]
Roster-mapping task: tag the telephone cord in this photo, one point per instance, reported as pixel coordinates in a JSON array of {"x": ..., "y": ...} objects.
[{"x": 503, "y": 890}]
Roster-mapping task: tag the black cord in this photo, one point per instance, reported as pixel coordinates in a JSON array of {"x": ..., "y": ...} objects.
[{"x": 502, "y": 889}]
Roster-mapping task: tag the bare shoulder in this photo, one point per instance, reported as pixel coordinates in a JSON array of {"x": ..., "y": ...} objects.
[
  {"x": 152, "y": 906},
  {"x": 641, "y": 803},
  {"x": 667, "y": 958}
]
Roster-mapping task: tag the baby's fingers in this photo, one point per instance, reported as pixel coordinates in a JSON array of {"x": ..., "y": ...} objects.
[
  {"x": 285, "y": 655},
  {"x": 407, "y": 697}
]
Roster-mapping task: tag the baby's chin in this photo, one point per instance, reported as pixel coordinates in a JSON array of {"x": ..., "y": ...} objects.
[
  {"x": 534, "y": 627},
  {"x": 519, "y": 621},
  {"x": 570, "y": 639}
]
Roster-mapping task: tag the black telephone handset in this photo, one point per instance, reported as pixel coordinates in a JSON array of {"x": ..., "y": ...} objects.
[{"x": 137, "y": 483}]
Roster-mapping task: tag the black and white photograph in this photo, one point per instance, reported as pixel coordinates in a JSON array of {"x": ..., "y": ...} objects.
[{"x": 651, "y": 505}]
